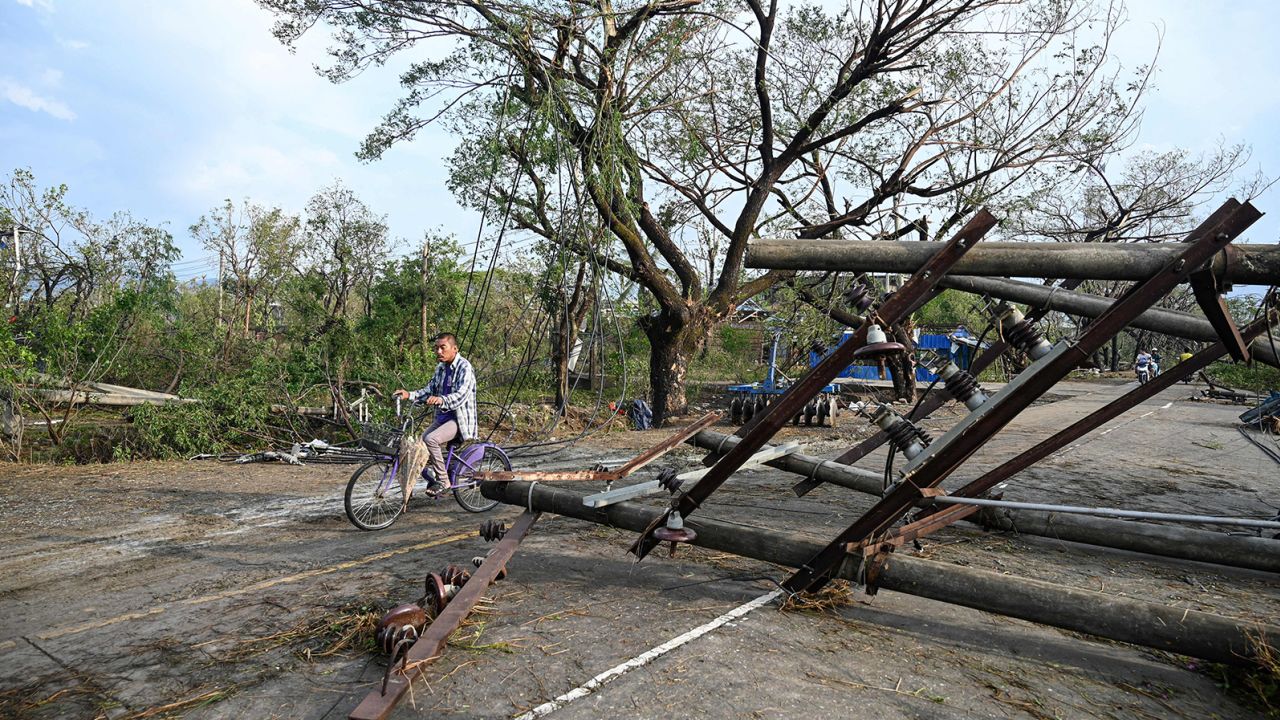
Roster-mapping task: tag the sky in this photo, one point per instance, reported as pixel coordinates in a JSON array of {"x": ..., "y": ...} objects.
[{"x": 165, "y": 108}]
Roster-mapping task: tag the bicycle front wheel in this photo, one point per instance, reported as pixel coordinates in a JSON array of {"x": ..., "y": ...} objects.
[
  {"x": 374, "y": 498},
  {"x": 467, "y": 492}
]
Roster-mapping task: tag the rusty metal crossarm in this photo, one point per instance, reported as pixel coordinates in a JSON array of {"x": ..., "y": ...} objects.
[
  {"x": 1205, "y": 288},
  {"x": 934, "y": 401},
  {"x": 929, "y": 404},
  {"x": 667, "y": 445},
  {"x": 379, "y": 704},
  {"x": 947, "y": 459},
  {"x": 763, "y": 426}
]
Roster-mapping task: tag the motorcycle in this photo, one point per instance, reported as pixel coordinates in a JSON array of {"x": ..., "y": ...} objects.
[{"x": 1144, "y": 374}]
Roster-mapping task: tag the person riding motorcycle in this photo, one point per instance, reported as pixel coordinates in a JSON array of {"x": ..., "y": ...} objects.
[{"x": 1142, "y": 367}]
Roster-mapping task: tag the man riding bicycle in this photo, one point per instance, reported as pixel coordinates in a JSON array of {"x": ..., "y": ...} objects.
[{"x": 453, "y": 390}]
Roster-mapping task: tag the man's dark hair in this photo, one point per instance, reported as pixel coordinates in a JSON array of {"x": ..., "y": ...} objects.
[{"x": 446, "y": 336}]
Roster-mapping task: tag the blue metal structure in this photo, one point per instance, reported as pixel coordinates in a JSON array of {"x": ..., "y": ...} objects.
[
  {"x": 749, "y": 398},
  {"x": 1267, "y": 408},
  {"x": 959, "y": 347}
]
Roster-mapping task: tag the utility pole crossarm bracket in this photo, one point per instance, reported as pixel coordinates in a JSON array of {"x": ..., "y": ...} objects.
[
  {"x": 764, "y": 425},
  {"x": 947, "y": 453},
  {"x": 1205, "y": 288},
  {"x": 651, "y": 487}
]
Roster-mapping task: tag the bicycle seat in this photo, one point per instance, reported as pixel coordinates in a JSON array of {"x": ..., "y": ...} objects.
[{"x": 375, "y": 447}]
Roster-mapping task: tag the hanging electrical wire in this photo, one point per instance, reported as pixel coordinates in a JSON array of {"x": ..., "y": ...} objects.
[{"x": 484, "y": 208}]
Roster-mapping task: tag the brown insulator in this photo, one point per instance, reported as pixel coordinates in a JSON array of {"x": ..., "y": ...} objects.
[
  {"x": 674, "y": 532},
  {"x": 1022, "y": 334},
  {"x": 455, "y": 575},
  {"x": 858, "y": 296},
  {"x": 437, "y": 593},
  {"x": 877, "y": 345},
  {"x": 492, "y": 530},
  {"x": 400, "y": 622},
  {"x": 682, "y": 535}
]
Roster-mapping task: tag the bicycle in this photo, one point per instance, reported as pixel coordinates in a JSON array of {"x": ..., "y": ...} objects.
[{"x": 374, "y": 496}]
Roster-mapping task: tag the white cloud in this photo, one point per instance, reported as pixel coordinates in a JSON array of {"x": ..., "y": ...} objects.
[
  {"x": 46, "y": 5},
  {"x": 235, "y": 169},
  {"x": 23, "y": 96},
  {"x": 70, "y": 44}
]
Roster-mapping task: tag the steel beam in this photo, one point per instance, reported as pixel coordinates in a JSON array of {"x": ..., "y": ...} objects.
[
  {"x": 1209, "y": 297},
  {"x": 378, "y": 704},
  {"x": 765, "y": 424},
  {"x": 945, "y": 461}
]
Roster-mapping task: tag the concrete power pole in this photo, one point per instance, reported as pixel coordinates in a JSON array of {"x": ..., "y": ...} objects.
[
  {"x": 14, "y": 295},
  {"x": 220, "y": 263},
  {"x": 426, "y": 279}
]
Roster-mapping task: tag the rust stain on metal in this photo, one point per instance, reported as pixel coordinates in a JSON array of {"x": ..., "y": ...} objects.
[{"x": 377, "y": 705}]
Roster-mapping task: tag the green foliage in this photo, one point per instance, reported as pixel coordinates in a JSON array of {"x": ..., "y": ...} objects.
[
  {"x": 1256, "y": 376},
  {"x": 952, "y": 308},
  {"x": 17, "y": 361},
  {"x": 735, "y": 341},
  {"x": 232, "y": 414}
]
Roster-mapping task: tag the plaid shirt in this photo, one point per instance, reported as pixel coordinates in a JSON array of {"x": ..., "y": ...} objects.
[{"x": 462, "y": 399}]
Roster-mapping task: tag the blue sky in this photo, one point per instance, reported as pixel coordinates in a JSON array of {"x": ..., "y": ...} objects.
[{"x": 166, "y": 107}]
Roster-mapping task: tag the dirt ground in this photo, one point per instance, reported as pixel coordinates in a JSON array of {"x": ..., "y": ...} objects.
[{"x": 209, "y": 590}]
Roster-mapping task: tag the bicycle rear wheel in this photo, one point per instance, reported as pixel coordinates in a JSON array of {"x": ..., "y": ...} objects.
[
  {"x": 374, "y": 498},
  {"x": 467, "y": 491}
]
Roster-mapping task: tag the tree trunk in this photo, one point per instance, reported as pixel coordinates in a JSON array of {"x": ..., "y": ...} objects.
[
  {"x": 564, "y": 336},
  {"x": 903, "y": 365},
  {"x": 675, "y": 336}
]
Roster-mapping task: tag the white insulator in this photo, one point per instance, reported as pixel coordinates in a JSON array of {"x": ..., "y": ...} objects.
[{"x": 674, "y": 521}]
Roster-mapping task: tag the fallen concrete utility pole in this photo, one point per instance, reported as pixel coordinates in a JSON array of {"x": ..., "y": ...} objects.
[
  {"x": 1168, "y": 322},
  {"x": 1108, "y": 512},
  {"x": 1244, "y": 264},
  {"x": 1175, "y": 542},
  {"x": 1184, "y": 631}
]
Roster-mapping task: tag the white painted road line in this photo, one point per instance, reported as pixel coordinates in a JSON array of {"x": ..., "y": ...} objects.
[{"x": 644, "y": 659}]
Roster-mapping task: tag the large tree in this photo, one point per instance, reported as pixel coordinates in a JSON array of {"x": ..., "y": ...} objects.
[{"x": 666, "y": 118}]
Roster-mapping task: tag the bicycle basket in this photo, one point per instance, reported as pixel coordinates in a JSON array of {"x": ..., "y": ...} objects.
[{"x": 382, "y": 435}]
